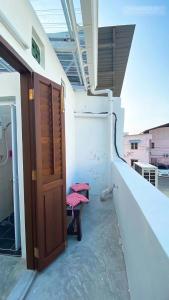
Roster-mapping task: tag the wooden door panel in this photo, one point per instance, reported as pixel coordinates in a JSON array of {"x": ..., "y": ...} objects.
[
  {"x": 51, "y": 185},
  {"x": 54, "y": 219},
  {"x": 50, "y": 165}
]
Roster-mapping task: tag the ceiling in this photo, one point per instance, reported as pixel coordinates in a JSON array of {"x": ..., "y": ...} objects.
[
  {"x": 55, "y": 19},
  {"x": 114, "y": 43},
  {"x": 66, "y": 51}
]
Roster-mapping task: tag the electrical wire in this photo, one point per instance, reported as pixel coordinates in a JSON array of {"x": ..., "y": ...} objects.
[{"x": 115, "y": 139}]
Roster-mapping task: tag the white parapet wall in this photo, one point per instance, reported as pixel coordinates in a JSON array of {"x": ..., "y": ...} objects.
[{"x": 143, "y": 216}]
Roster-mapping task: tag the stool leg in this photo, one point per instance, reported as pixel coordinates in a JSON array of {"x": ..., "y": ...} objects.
[
  {"x": 70, "y": 229},
  {"x": 79, "y": 229}
]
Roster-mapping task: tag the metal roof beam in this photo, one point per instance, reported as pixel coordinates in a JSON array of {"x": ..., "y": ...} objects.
[
  {"x": 64, "y": 46},
  {"x": 70, "y": 17},
  {"x": 71, "y": 12},
  {"x": 68, "y": 22}
]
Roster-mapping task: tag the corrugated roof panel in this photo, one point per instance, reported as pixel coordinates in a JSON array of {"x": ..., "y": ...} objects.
[{"x": 112, "y": 59}]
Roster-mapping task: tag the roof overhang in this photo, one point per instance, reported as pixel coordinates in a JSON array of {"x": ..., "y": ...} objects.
[{"x": 114, "y": 43}]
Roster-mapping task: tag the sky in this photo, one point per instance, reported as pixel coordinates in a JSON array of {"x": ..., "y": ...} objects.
[{"x": 145, "y": 93}]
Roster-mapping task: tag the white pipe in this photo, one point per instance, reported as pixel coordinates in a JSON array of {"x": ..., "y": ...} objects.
[
  {"x": 101, "y": 92},
  {"x": 77, "y": 67},
  {"x": 110, "y": 122},
  {"x": 72, "y": 15},
  {"x": 90, "y": 115},
  {"x": 9, "y": 26}
]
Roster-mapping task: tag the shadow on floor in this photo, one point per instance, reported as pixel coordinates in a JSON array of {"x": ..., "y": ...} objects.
[{"x": 92, "y": 269}]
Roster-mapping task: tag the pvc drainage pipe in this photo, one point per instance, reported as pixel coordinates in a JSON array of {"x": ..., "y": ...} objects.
[{"x": 110, "y": 125}]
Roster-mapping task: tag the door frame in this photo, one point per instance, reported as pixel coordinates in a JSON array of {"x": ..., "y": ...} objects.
[{"x": 12, "y": 57}]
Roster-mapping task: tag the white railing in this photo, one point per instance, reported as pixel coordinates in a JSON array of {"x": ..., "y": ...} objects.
[{"x": 143, "y": 216}]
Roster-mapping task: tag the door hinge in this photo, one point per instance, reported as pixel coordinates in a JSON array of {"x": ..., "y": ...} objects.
[
  {"x": 36, "y": 252},
  {"x": 62, "y": 106},
  {"x": 34, "y": 175},
  {"x": 31, "y": 94},
  {"x": 62, "y": 101}
]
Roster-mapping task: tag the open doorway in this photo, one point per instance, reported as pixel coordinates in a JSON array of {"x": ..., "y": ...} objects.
[
  {"x": 16, "y": 80},
  {"x": 43, "y": 159},
  {"x": 10, "y": 239}
]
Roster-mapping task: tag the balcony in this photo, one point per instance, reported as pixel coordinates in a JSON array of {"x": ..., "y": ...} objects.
[
  {"x": 95, "y": 267},
  {"x": 91, "y": 269}
]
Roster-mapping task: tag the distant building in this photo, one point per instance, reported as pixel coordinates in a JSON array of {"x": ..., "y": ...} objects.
[
  {"x": 151, "y": 146},
  {"x": 159, "y": 152},
  {"x": 137, "y": 148}
]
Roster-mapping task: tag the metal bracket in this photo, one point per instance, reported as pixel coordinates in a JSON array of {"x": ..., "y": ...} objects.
[
  {"x": 36, "y": 252},
  {"x": 31, "y": 94},
  {"x": 34, "y": 175}
]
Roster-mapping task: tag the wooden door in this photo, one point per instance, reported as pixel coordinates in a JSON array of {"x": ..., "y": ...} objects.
[{"x": 49, "y": 176}]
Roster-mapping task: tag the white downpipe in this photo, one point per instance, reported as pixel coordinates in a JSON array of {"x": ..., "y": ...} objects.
[
  {"x": 72, "y": 24},
  {"x": 110, "y": 120}
]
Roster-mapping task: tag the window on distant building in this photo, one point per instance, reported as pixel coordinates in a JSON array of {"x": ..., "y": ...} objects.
[
  {"x": 154, "y": 161},
  {"x": 134, "y": 145},
  {"x": 152, "y": 145},
  {"x": 133, "y": 161}
]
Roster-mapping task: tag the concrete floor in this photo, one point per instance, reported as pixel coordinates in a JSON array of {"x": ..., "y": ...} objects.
[
  {"x": 163, "y": 185},
  {"x": 11, "y": 270},
  {"x": 92, "y": 269}
]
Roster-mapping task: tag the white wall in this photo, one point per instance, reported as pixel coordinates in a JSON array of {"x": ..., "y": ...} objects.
[
  {"x": 9, "y": 90},
  {"x": 24, "y": 23},
  {"x": 6, "y": 197},
  {"x": 93, "y": 140},
  {"x": 143, "y": 216},
  {"x": 92, "y": 144}
]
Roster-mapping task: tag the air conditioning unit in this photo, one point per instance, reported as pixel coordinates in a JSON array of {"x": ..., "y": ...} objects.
[{"x": 149, "y": 172}]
